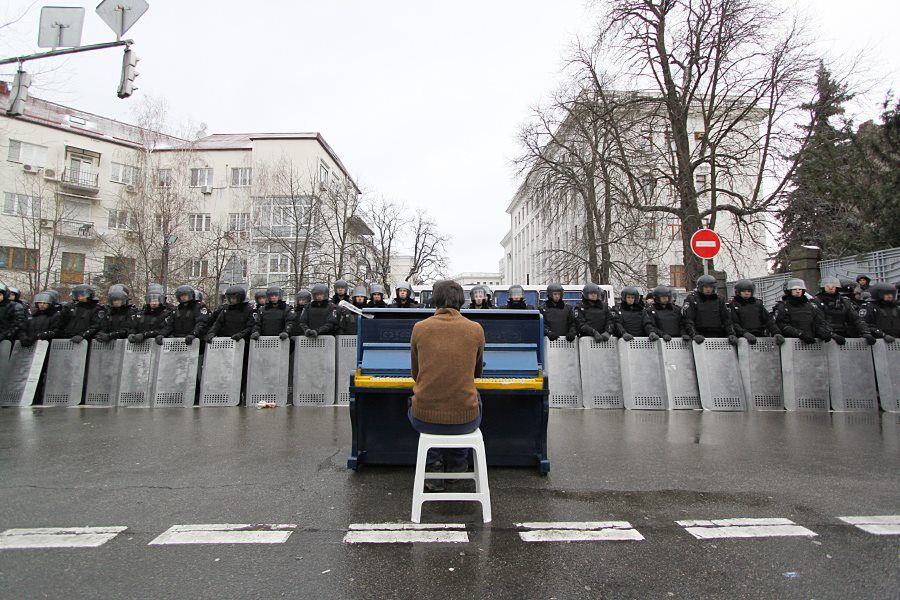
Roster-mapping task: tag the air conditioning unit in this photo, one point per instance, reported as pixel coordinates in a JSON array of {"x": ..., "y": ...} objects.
[
  {"x": 30, "y": 168},
  {"x": 46, "y": 224},
  {"x": 206, "y": 189},
  {"x": 130, "y": 188},
  {"x": 50, "y": 174}
]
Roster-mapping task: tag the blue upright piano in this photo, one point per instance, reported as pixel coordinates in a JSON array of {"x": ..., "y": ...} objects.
[{"x": 513, "y": 388}]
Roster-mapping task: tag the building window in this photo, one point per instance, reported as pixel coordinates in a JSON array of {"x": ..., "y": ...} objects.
[
  {"x": 241, "y": 176},
  {"x": 21, "y": 205},
  {"x": 675, "y": 229},
  {"x": 201, "y": 177},
  {"x": 676, "y": 276},
  {"x": 651, "y": 228},
  {"x": 71, "y": 271},
  {"x": 164, "y": 178},
  {"x": 199, "y": 268},
  {"x": 648, "y": 184},
  {"x": 652, "y": 276},
  {"x": 20, "y": 259},
  {"x": 117, "y": 219},
  {"x": 120, "y": 173},
  {"x": 118, "y": 268},
  {"x": 273, "y": 263},
  {"x": 238, "y": 221},
  {"x": 27, "y": 154},
  {"x": 700, "y": 183},
  {"x": 199, "y": 221},
  {"x": 323, "y": 174}
]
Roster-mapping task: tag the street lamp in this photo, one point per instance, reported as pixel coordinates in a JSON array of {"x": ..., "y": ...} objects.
[{"x": 167, "y": 242}]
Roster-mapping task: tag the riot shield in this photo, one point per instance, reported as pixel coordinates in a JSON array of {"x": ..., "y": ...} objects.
[
  {"x": 641, "y": 370},
  {"x": 104, "y": 372},
  {"x": 760, "y": 365},
  {"x": 267, "y": 373},
  {"x": 65, "y": 373},
  {"x": 176, "y": 375},
  {"x": 561, "y": 365},
  {"x": 346, "y": 367},
  {"x": 138, "y": 374},
  {"x": 314, "y": 368},
  {"x": 851, "y": 376},
  {"x": 679, "y": 374},
  {"x": 804, "y": 374},
  {"x": 718, "y": 375},
  {"x": 23, "y": 373},
  {"x": 887, "y": 372},
  {"x": 600, "y": 380},
  {"x": 223, "y": 367}
]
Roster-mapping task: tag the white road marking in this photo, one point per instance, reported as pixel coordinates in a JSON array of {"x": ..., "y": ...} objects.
[
  {"x": 579, "y": 531},
  {"x": 878, "y": 525},
  {"x": 406, "y": 533},
  {"x": 744, "y": 528},
  {"x": 58, "y": 537},
  {"x": 224, "y": 533}
]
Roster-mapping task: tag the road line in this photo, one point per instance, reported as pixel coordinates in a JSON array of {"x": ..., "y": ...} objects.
[
  {"x": 877, "y": 525},
  {"x": 58, "y": 537},
  {"x": 406, "y": 533},
  {"x": 744, "y": 528},
  {"x": 582, "y": 525},
  {"x": 579, "y": 531},
  {"x": 399, "y": 526},
  {"x": 224, "y": 533}
]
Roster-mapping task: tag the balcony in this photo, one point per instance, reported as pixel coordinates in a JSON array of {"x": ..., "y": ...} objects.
[
  {"x": 80, "y": 181},
  {"x": 81, "y": 230}
]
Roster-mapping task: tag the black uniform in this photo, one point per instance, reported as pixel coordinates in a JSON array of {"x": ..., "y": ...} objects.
[
  {"x": 842, "y": 315},
  {"x": 150, "y": 322},
  {"x": 559, "y": 320},
  {"x": 800, "y": 318},
  {"x": 117, "y": 322},
  {"x": 628, "y": 318},
  {"x": 320, "y": 317},
  {"x": 12, "y": 318},
  {"x": 80, "y": 319},
  {"x": 40, "y": 326},
  {"x": 378, "y": 304},
  {"x": 882, "y": 318},
  {"x": 518, "y": 305},
  {"x": 664, "y": 320},
  {"x": 750, "y": 316},
  {"x": 336, "y": 298},
  {"x": 593, "y": 318},
  {"x": 407, "y": 303},
  {"x": 189, "y": 318},
  {"x": 235, "y": 321},
  {"x": 348, "y": 320},
  {"x": 706, "y": 315},
  {"x": 274, "y": 319}
]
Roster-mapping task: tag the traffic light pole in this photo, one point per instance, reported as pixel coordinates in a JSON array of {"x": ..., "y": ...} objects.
[{"x": 27, "y": 57}]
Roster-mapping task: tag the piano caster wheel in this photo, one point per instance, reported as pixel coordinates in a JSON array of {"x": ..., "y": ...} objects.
[
  {"x": 544, "y": 467},
  {"x": 352, "y": 463}
]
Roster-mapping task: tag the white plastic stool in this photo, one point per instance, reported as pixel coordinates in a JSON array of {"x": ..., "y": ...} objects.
[{"x": 482, "y": 490}]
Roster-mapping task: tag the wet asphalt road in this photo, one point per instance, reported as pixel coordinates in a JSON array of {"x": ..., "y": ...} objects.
[{"x": 151, "y": 469}]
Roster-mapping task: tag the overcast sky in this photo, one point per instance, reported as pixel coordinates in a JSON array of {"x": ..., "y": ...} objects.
[{"x": 421, "y": 100}]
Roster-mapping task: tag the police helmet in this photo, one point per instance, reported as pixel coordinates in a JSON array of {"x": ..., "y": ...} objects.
[
  {"x": 303, "y": 294},
  {"x": 404, "y": 286},
  {"x": 43, "y": 297},
  {"x": 14, "y": 291},
  {"x": 376, "y": 288},
  {"x": 743, "y": 285},
  {"x": 591, "y": 288},
  {"x": 275, "y": 290},
  {"x": 117, "y": 288},
  {"x": 631, "y": 290},
  {"x": 54, "y": 295},
  {"x": 2, "y": 289},
  {"x": 478, "y": 290},
  {"x": 83, "y": 289},
  {"x": 359, "y": 290},
  {"x": 342, "y": 283},
  {"x": 516, "y": 290},
  {"x": 662, "y": 290},
  {"x": 236, "y": 291},
  {"x": 181, "y": 290},
  {"x": 705, "y": 280},
  {"x": 198, "y": 294},
  {"x": 319, "y": 288},
  {"x": 794, "y": 284},
  {"x": 121, "y": 287},
  {"x": 831, "y": 280},
  {"x": 880, "y": 290},
  {"x": 114, "y": 295},
  {"x": 554, "y": 287}
]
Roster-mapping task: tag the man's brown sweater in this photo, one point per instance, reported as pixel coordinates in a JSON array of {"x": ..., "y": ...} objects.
[{"x": 446, "y": 352}]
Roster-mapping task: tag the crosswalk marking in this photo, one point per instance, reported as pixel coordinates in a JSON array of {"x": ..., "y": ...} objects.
[
  {"x": 224, "y": 533},
  {"x": 58, "y": 537},
  {"x": 878, "y": 525},
  {"x": 406, "y": 533},
  {"x": 744, "y": 528},
  {"x": 579, "y": 531}
]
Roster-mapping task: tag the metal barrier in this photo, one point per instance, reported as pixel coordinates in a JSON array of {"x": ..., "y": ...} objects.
[
  {"x": 267, "y": 373},
  {"x": 23, "y": 373},
  {"x": 223, "y": 370},
  {"x": 600, "y": 379},
  {"x": 640, "y": 365},
  {"x": 5, "y": 351},
  {"x": 804, "y": 373},
  {"x": 851, "y": 376},
  {"x": 314, "y": 362},
  {"x": 679, "y": 374},
  {"x": 561, "y": 365},
  {"x": 65, "y": 373},
  {"x": 887, "y": 373},
  {"x": 175, "y": 383},
  {"x": 104, "y": 372},
  {"x": 760, "y": 366},
  {"x": 718, "y": 375},
  {"x": 346, "y": 367},
  {"x": 138, "y": 374}
]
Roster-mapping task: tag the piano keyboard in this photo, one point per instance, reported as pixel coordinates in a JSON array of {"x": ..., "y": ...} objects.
[{"x": 481, "y": 383}]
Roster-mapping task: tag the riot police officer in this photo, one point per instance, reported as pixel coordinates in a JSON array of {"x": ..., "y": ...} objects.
[
  {"x": 43, "y": 322},
  {"x": 320, "y": 317},
  {"x": 663, "y": 319},
  {"x": 118, "y": 317},
  {"x": 259, "y": 299},
  {"x": 12, "y": 315},
  {"x": 303, "y": 298},
  {"x": 748, "y": 315},
  {"x": 16, "y": 296},
  {"x": 347, "y": 319},
  {"x": 376, "y": 297},
  {"x": 150, "y": 321},
  {"x": 237, "y": 319},
  {"x": 841, "y": 314},
  {"x": 403, "y": 296},
  {"x": 515, "y": 299},
  {"x": 190, "y": 317},
  {"x": 341, "y": 291},
  {"x": 882, "y": 314},
  {"x": 705, "y": 313},
  {"x": 797, "y": 317},
  {"x": 479, "y": 298},
  {"x": 275, "y": 317},
  {"x": 593, "y": 316},
  {"x": 559, "y": 317},
  {"x": 628, "y": 315},
  {"x": 864, "y": 282},
  {"x": 81, "y": 319}
]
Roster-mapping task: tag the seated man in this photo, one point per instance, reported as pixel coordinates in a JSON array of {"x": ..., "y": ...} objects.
[{"x": 446, "y": 355}]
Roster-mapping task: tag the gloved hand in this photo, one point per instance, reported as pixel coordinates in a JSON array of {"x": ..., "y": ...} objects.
[
  {"x": 551, "y": 336},
  {"x": 667, "y": 337},
  {"x": 103, "y": 337},
  {"x": 826, "y": 338},
  {"x": 570, "y": 337},
  {"x": 605, "y": 336},
  {"x": 779, "y": 339},
  {"x": 139, "y": 338},
  {"x": 839, "y": 339},
  {"x": 77, "y": 339},
  {"x": 45, "y": 335},
  {"x": 210, "y": 337},
  {"x": 311, "y": 333},
  {"x": 598, "y": 337},
  {"x": 698, "y": 339},
  {"x": 283, "y": 335},
  {"x": 686, "y": 337},
  {"x": 188, "y": 339},
  {"x": 159, "y": 340},
  {"x": 870, "y": 339},
  {"x": 149, "y": 334},
  {"x": 237, "y": 337},
  {"x": 627, "y": 337},
  {"x": 889, "y": 339},
  {"x": 254, "y": 335},
  {"x": 732, "y": 339},
  {"x": 807, "y": 339},
  {"x": 751, "y": 339},
  {"x": 27, "y": 343},
  {"x": 653, "y": 337}
]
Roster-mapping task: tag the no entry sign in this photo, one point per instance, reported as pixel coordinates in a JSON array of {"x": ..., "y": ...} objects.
[{"x": 706, "y": 243}]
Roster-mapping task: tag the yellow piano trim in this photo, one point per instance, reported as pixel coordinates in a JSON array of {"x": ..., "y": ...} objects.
[{"x": 481, "y": 383}]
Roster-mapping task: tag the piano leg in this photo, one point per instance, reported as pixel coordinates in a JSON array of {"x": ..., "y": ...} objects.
[{"x": 353, "y": 459}]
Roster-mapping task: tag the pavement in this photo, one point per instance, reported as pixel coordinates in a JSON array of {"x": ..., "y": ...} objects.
[{"x": 625, "y": 483}]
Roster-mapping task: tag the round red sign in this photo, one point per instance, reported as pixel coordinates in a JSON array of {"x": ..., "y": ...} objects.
[{"x": 706, "y": 243}]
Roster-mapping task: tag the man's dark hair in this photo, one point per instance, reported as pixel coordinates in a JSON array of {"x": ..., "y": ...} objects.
[{"x": 447, "y": 294}]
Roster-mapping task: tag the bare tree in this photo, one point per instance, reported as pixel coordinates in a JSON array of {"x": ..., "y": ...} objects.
[
  {"x": 387, "y": 220},
  {"x": 343, "y": 231},
  {"x": 429, "y": 250}
]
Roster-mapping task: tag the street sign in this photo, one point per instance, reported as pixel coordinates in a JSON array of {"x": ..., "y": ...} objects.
[
  {"x": 120, "y": 15},
  {"x": 60, "y": 27},
  {"x": 705, "y": 243}
]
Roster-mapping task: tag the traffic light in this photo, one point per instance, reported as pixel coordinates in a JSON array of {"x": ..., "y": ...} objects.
[
  {"x": 19, "y": 93},
  {"x": 129, "y": 62}
]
